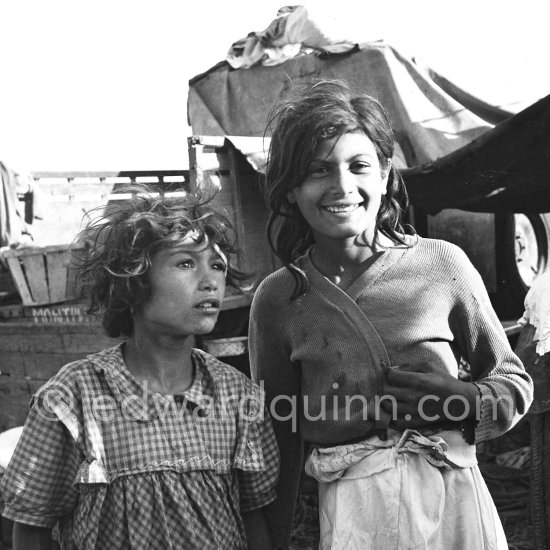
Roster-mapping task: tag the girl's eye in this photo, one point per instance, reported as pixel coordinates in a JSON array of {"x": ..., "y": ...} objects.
[
  {"x": 318, "y": 171},
  {"x": 220, "y": 266},
  {"x": 360, "y": 167},
  {"x": 187, "y": 264}
]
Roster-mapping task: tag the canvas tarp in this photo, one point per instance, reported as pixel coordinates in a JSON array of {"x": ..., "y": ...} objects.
[{"x": 428, "y": 122}]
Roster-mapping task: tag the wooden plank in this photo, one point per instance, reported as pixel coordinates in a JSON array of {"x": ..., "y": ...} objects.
[
  {"x": 13, "y": 363},
  {"x": 56, "y": 265},
  {"x": 77, "y": 193},
  {"x": 208, "y": 141},
  {"x": 32, "y": 250},
  {"x": 12, "y": 311},
  {"x": 56, "y": 338},
  {"x": 15, "y": 397},
  {"x": 237, "y": 201},
  {"x": 107, "y": 174},
  {"x": 59, "y": 248},
  {"x": 74, "y": 286},
  {"x": 86, "y": 343},
  {"x": 27, "y": 326},
  {"x": 35, "y": 270},
  {"x": 42, "y": 366},
  {"x": 30, "y": 340},
  {"x": 19, "y": 279},
  {"x": 237, "y": 300}
]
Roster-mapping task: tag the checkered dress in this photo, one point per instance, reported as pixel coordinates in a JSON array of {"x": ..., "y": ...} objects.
[{"x": 120, "y": 467}]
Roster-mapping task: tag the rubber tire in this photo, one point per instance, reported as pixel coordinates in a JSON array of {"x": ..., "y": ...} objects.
[{"x": 511, "y": 287}]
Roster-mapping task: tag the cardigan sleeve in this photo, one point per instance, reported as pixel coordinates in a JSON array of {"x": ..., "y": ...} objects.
[
  {"x": 271, "y": 365},
  {"x": 506, "y": 390}
]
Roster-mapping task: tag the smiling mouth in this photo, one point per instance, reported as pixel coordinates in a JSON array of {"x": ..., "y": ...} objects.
[
  {"x": 208, "y": 305},
  {"x": 342, "y": 208}
]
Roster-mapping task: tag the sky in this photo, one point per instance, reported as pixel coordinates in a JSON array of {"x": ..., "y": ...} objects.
[{"x": 102, "y": 85}]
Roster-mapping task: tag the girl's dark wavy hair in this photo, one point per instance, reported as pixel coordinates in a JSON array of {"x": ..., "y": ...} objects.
[
  {"x": 120, "y": 244},
  {"x": 321, "y": 111}
]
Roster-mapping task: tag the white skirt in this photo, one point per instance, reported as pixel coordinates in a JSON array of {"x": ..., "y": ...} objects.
[{"x": 409, "y": 492}]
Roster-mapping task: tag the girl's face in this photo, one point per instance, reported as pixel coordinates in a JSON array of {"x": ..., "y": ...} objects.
[
  {"x": 341, "y": 194},
  {"x": 187, "y": 289}
]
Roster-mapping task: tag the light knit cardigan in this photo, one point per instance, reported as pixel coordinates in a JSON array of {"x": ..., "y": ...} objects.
[{"x": 422, "y": 303}]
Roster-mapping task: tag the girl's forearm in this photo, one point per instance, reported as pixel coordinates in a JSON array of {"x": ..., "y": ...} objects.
[
  {"x": 29, "y": 537},
  {"x": 257, "y": 535}
]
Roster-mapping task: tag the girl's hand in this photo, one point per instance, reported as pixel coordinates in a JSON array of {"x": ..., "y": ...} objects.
[{"x": 417, "y": 395}]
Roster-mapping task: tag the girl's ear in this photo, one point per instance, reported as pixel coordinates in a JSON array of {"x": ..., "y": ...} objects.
[
  {"x": 385, "y": 177},
  {"x": 290, "y": 197}
]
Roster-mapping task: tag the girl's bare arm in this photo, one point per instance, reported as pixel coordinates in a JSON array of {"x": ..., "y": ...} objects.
[
  {"x": 257, "y": 535},
  {"x": 29, "y": 537}
]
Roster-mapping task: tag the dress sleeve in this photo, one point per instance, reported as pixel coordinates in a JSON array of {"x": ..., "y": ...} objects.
[
  {"x": 506, "y": 390},
  {"x": 257, "y": 486},
  {"x": 271, "y": 366},
  {"x": 37, "y": 487}
]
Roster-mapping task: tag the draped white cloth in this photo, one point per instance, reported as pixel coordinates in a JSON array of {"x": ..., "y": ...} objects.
[
  {"x": 537, "y": 312},
  {"x": 408, "y": 492}
]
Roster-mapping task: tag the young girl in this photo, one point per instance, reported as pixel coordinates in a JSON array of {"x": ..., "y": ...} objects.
[
  {"x": 358, "y": 340},
  {"x": 150, "y": 444}
]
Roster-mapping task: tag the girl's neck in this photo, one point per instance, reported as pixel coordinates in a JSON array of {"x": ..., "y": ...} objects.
[
  {"x": 166, "y": 366},
  {"x": 342, "y": 253},
  {"x": 340, "y": 261}
]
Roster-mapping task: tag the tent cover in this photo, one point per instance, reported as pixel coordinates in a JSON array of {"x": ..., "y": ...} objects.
[{"x": 454, "y": 150}]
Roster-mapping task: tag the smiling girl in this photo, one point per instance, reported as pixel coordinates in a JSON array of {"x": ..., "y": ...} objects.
[
  {"x": 152, "y": 443},
  {"x": 358, "y": 340}
]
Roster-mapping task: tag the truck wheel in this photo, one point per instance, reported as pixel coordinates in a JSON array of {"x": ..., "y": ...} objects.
[
  {"x": 530, "y": 247},
  {"x": 522, "y": 254}
]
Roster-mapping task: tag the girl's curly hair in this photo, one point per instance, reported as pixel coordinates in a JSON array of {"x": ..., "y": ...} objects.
[{"x": 122, "y": 241}]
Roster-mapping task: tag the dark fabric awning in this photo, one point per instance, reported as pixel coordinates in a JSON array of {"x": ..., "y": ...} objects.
[{"x": 507, "y": 169}]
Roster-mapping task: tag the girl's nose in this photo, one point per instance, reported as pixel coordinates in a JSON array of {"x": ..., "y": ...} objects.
[
  {"x": 208, "y": 281},
  {"x": 342, "y": 182}
]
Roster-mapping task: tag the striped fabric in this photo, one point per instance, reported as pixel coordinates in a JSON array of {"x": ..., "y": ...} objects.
[{"x": 121, "y": 467}]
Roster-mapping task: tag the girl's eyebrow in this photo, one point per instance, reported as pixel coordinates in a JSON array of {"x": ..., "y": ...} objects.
[
  {"x": 325, "y": 160},
  {"x": 184, "y": 250},
  {"x": 214, "y": 251}
]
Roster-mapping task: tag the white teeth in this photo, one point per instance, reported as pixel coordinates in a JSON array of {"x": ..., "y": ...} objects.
[{"x": 341, "y": 208}]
